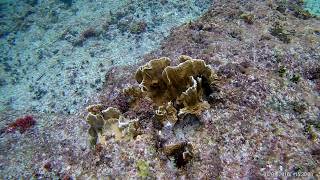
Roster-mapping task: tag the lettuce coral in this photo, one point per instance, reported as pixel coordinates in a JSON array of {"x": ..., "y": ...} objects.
[
  {"x": 150, "y": 78},
  {"x": 183, "y": 85},
  {"x": 175, "y": 91},
  {"x": 109, "y": 123},
  {"x": 166, "y": 114}
]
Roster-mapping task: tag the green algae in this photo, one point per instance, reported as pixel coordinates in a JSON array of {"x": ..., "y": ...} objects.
[
  {"x": 279, "y": 31},
  {"x": 248, "y": 18},
  {"x": 295, "y": 78},
  {"x": 303, "y": 9},
  {"x": 309, "y": 130},
  {"x": 143, "y": 168},
  {"x": 282, "y": 71}
]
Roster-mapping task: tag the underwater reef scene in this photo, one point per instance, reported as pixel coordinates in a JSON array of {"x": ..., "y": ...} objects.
[
  {"x": 162, "y": 89},
  {"x": 54, "y": 54}
]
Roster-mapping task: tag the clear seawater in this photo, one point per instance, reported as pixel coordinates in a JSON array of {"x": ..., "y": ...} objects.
[{"x": 313, "y": 6}]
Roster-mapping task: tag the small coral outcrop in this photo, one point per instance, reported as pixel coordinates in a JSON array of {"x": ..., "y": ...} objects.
[
  {"x": 106, "y": 123},
  {"x": 168, "y": 100},
  {"x": 150, "y": 79},
  {"x": 138, "y": 27},
  {"x": 175, "y": 91},
  {"x": 186, "y": 85}
]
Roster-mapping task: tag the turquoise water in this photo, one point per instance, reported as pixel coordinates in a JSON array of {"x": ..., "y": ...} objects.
[{"x": 313, "y": 6}]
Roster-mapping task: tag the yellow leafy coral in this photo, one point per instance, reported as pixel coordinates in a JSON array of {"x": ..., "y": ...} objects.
[
  {"x": 179, "y": 78},
  {"x": 150, "y": 78},
  {"x": 166, "y": 114},
  {"x": 182, "y": 85},
  {"x": 109, "y": 123},
  {"x": 175, "y": 90}
]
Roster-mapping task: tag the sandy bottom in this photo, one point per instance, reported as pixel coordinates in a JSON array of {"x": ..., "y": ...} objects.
[{"x": 54, "y": 56}]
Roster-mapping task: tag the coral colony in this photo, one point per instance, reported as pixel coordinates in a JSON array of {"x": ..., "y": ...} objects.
[{"x": 175, "y": 92}]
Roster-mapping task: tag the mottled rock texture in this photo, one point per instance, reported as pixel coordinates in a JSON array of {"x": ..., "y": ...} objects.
[{"x": 267, "y": 120}]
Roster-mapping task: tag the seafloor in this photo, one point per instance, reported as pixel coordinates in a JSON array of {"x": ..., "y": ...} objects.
[
  {"x": 264, "y": 125},
  {"x": 54, "y": 55}
]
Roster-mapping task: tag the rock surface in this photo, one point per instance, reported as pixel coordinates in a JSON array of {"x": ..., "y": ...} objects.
[{"x": 267, "y": 124}]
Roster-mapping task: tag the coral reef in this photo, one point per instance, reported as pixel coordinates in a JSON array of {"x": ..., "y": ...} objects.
[
  {"x": 178, "y": 95},
  {"x": 261, "y": 119},
  {"x": 181, "y": 152},
  {"x": 150, "y": 78},
  {"x": 166, "y": 114}
]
